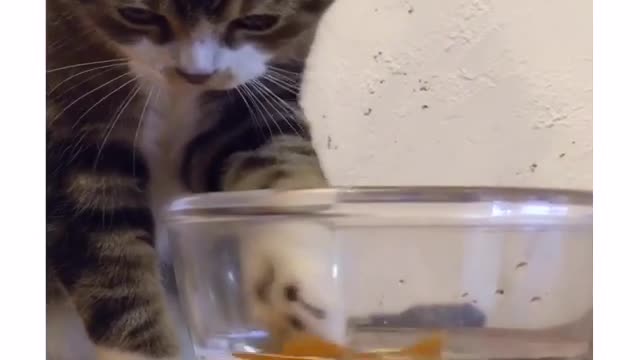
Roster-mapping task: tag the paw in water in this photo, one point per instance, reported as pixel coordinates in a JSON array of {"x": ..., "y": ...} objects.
[
  {"x": 287, "y": 298},
  {"x": 292, "y": 282}
]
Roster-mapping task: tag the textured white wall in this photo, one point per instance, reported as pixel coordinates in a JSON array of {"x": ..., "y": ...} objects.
[{"x": 454, "y": 92}]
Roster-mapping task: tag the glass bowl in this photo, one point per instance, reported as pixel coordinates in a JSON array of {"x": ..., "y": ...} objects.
[{"x": 503, "y": 273}]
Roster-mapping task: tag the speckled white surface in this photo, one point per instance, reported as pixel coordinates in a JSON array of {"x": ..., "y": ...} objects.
[
  {"x": 460, "y": 92},
  {"x": 454, "y": 92}
]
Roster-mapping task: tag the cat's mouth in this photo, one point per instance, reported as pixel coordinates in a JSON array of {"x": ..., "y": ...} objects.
[
  {"x": 194, "y": 78},
  {"x": 220, "y": 80}
]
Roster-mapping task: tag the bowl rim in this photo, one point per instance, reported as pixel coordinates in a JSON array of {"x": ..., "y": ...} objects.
[{"x": 310, "y": 200}]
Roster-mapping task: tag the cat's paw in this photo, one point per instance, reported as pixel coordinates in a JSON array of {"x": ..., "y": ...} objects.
[{"x": 292, "y": 280}]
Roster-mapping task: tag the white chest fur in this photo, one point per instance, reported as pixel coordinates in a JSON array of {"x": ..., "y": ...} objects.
[{"x": 170, "y": 122}]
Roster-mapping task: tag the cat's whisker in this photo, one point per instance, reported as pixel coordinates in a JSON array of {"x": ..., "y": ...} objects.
[
  {"x": 84, "y": 81},
  {"x": 254, "y": 120},
  {"x": 285, "y": 71},
  {"x": 260, "y": 107},
  {"x": 122, "y": 60},
  {"x": 284, "y": 86},
  {"x": 107, "y": 67},
  {"x": 292, "y": 75},
  {"x": 100, "y": 101},
  {"x": 292, "y": 85},
  {"x": 140, "y": 121},
  {"x": 87, "y": 94},
  {"x": 73, "y": 147},
  {"x": 279, "y": 99},
  {"x": 264, "y": 119},
  {"x": 77, "y": 148},
  {"x": 126, "y": 103},
  {"x": 283, "y": 80},
  {"x": 290, "y": 79},
  {"x": 255, "y": 101},
  {"x": 289, "y": 112},
  {"x": 71, "y": 40},
  {"x": 260, "y": 94}
]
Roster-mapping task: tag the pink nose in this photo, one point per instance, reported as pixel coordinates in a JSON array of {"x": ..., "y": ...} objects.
[{"x": 194, "y": 78}]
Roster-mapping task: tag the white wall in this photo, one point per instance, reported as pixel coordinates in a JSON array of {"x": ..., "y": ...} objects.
[
  {"x": 454, "y": 92},
  {"x": 463, "y": 92}
]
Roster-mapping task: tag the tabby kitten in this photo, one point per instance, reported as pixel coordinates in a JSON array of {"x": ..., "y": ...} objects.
[{"x": 148, "y": 100}]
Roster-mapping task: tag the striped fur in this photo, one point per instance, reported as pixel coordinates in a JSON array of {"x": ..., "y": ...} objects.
[{"x": 108, "y": 174}]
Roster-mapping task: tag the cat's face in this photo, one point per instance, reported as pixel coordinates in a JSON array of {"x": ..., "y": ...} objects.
[{"x": 213, "y": 44}]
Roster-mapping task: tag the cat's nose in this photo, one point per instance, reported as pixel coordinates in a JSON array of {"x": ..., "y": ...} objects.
[{"x": 193, "y": 77}]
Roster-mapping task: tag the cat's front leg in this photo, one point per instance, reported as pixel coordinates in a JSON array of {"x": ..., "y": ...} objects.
[
  {"x": 286, "y": 162},
  {"x": 104, "y": 254},
  {"x": 289, "y": 266}
]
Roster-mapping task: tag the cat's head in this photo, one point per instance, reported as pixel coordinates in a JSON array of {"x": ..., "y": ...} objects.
[{"x": 213, "y": 44}]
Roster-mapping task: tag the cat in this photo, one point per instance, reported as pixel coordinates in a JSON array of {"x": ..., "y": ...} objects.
[{"x": 148, "y": 100}]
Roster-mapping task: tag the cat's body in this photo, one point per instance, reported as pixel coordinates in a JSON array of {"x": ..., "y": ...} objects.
[{"x": 146, "y": 101}]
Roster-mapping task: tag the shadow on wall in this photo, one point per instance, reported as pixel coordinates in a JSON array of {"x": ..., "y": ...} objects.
[{"x": 437, "y": 316}]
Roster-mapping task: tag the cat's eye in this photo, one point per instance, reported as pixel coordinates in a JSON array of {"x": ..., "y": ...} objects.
[
  {"x": 257, "y": 22},
  {"x": 138, "y": 16}
]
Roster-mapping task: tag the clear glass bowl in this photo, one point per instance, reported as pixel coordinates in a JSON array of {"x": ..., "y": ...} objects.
[{"x": 506, "y": 273}]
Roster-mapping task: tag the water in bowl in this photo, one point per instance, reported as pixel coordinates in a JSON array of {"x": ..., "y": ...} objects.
[{"x": 562, "y": 343}]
